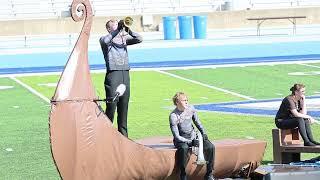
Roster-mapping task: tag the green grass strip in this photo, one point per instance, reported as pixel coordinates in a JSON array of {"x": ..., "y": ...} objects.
[
  {"x": 260, "y": 82},
  {"x": 24, "y": 146}
]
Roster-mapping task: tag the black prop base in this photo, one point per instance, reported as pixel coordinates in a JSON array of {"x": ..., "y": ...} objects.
[{"x": 286, "y": 172}]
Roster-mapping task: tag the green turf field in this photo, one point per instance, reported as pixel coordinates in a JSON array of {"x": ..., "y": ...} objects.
[{"x": 25, "y": 149}]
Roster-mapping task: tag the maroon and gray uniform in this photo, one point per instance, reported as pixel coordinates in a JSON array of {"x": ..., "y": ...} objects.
[
  {"x": 114, "y": 48},
  {"x": 183, "y": 135},
  {"x": 181, "y": 124}
]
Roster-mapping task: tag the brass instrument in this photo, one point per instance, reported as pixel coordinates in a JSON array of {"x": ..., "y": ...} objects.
[
  {"x": 200, "y": 156},
  {"x": 128, "y": 21}
]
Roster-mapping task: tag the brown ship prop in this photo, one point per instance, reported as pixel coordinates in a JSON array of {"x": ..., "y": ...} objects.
[{"x": 85, "y": 145}]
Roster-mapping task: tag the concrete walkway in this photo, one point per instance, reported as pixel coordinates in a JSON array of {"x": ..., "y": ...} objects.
[{"x": 53, "y": 43}]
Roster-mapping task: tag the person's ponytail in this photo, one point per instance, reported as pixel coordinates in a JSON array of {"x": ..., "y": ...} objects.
[{"x": 296, "y": 87}]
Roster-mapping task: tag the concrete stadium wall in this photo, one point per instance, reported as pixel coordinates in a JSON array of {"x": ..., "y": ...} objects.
[{"x": 216, "y": 20}]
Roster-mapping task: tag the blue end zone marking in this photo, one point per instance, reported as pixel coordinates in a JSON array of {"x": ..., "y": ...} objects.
[
  {"x": 178, "y": 63},
  {"x": 225, "y": 107}
]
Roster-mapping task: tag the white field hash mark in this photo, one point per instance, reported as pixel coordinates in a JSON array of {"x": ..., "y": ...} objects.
[
  {"x": 309, "y": 65},
  {"x": 33, "y": 91},
  {"x": 5, "y": 87},
  {"x": 206, "y": 85}
]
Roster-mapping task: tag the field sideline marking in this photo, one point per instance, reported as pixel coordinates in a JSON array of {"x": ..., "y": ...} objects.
[
  {"x": 206, "y": 85},
  {"x": 309, "y": 65},
  {"x": 31, "y": 89}
]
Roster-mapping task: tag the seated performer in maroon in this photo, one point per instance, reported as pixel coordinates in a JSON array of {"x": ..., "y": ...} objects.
[
  {"x": 293, "y": 113},
  {"x": 184, "y": 135}
]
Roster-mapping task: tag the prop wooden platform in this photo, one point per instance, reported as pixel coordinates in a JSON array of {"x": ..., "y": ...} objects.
[{"x": 231, "y": 155}]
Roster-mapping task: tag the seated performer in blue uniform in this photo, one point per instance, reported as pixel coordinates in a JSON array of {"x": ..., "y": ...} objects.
[{"x": 184, "y": 135}]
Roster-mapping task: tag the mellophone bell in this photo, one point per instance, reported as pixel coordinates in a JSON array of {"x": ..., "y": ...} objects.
[
  {"x": 199, "y": 150},
  {"x": 127, "y": 22}
]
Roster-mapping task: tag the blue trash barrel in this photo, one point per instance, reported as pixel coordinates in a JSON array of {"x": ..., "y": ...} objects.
[
  {"x": 200, "y": 27},
  {"x": 169, "y": 27},
  {"x": 185, "y": 27}
]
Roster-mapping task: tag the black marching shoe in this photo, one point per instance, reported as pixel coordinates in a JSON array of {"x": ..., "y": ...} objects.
[
  {"x": 183, "y": 176},
  {"x": 210, "y": 177},
  {"x": 309, "y": 144},
  {"x": 315, "y": 142}
]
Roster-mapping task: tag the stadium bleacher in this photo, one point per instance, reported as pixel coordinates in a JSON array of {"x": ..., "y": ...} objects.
[
  {"x": 51, "y": 16},
  {"x": 44, "y": 9},
  {"x": 19, "y": 9},
  {"x": 278, "y": 4},
  {"x": 179, "y": 6},
  {"x": 113, "y": 7}
]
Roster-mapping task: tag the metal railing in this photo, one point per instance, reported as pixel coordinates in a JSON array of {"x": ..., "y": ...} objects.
[{"x": 40, "y": 41}]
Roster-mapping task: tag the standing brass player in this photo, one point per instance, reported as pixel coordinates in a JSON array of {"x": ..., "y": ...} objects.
[{"x": 114, "y": 48}]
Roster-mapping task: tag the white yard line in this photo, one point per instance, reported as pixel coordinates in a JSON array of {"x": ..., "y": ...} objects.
[
  {"x": 31, "y": 89},
  {"x": 206, "y": 85},
  {"x": 309, "y": 65},
  {"x": 29, "y": 74},
  {"x": 12, "y": 76}
]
